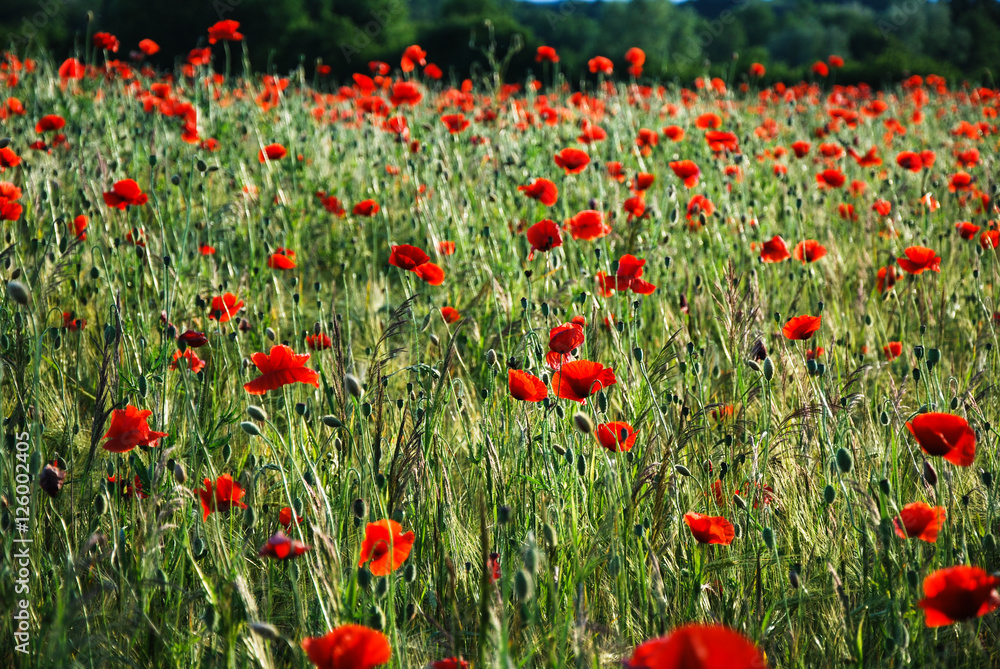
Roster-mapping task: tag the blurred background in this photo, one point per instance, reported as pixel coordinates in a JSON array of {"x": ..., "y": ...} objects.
[{"x": 881, "y": 40}]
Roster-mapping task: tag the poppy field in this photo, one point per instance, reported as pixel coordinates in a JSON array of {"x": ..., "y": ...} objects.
[{"x": 415, "y": 370}]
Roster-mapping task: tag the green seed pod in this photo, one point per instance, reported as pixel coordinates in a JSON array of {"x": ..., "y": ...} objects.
[
  {"x": 768, "y": 369},
  {"x": 682, "y": 470},
  {"x": 309, "y": 477},
  {"x": 198, "y": 547},
  {"x": 256, "y": 412},
  {"x": 769, "y": 538},
  {"x": 829, "y": 494},
  {"x": 249, "y": 428},
  {"x": 637, "y": 354},
  {"x": 845, "y": 461},
  {"x": 581, "y": 465},
  {"x": 524, "y": 585},
  {"x": 410, "y": 573},
  {"x": 332, "y": 422}
]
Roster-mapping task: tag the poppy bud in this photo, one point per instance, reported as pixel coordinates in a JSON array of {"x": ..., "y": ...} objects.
[
  {"x": 270, "y": 334},
  {"x": 381, "y": 587},
  {"x": 581, "y": 465},
  {"x": 740, "y": 502},
  {"x": 18, "y": 292},
  {"x": 491, "y": 357},
  {"x": 179, "y": 474},
  {"x": 301, "y": 408},
  {"x": 265, "y": 631},
  {"x": 410, "y": 573},
  {"x": 51, "y": 480},
  {"x": 364, "y": 578},
  {"x": 524, "y": 585},
  {"x": 152, "y": 160},
  {"x": 332, "y": 421},
  {"x": 768, "y": 537},
  {"x": 317, "y": 328},
  {"x": 249, "y": 428},
  {"x": 883, "y": 418},
  {"x": 885, "y": 486},
  {"x": 550, "y": 536},
  {"x": 768, "y": 369},
  {"x": 376, "y": 619},
  {"x": 845, "y": 461},
  {"x": 100, "y": 504},
  {"x": 4, "y": 142},
  {"x": 829, "y": 494},
  {"x": 568, "y": 454},
  {"x": 989, "y": 543},
  {"x": 793, "y": 577},
  {"x": 503, "y": 514},
  {"x": 353, "y": 385},
  {"x": 682, "y": 470},
  {"x": 912, "y": 578},
  {"x": 930, "y": 475},
  {"x": 175, "y": 180},
  {"x": 987, "y": 479},
  {"x": 359, "y": 508},
  {"x": 583, "y": 422},
  {"x": 256, "y": 412},
  {"x": 249, "y": 517}
]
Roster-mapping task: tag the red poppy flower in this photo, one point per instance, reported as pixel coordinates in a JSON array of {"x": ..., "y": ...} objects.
[
  {"x": 386, "y": 546},
  {"x": 282, "y": 258},
  {"x": 967, "y": 230},
  {"x": 405, "y": 93},
  {"x": 525, "y": 387},
  {"x": 919, "y": 259},
  {"x": 910, "y": 160},
  {"x": 123, "y": 193},
  {"x": 757, "y": 70},
  {"x": 870, "y": 159},
  {"x": 206, "y": 250},
  {"x": 281, "y": 367},
  {"x": 721, "y": 141},
  {"x": 634, "y": 206},
  {"x": 79, "y": 226},
  {"x": 366, "y": 208},
  {"x": 698, "y": 205},
  {"x": 430, "y": 273},
  {"x": 960, "y": 181},
  {"x": 830, "y": 179},
  {"x": 281, "y": 547},
  {"x": 708, "y": 121},
  {"x": 412, "y": 56},
  {"x": 882, "y": 207},
  {"x": 819, "y": 68},
  {"x": 221, "y": 496},
  {"x": 892, "y": 350},
  {"x": 801, "y": 148},
  {"x": 446, "y": 248},
  {"x": 886, "y": 278},
  {"x": 194, "y": 363},
  {"x": 688, "y": 171},
  {"x": 450, "y": 314},
  {"x": 451, "y": 662},
  {"x": 71, "y": 68},
  {"x": 543, "y": 236},
  {"x": 566, "y": 337},
  {"x": 49, "y": 123},
  {"x": 224, "y": 31},
  {"x": 542, "y": 190},
  {"x": 588, "y": 225},
  {"x": 573, "y": 161},
  {"x": 455, "y": 123},
  {"x": 580, "y": 379},
  {"x": 407, "y": 257},
  {"x": 627, "y": 277},
  {"x": 224, "y": 307},
  {"x": 193, "y": 339},
  {"x": 710, "y": 529},
  {"x": 9, "y": 210},
  {"x": 774, "y": 250},
  {"x": 272, "y": 152},
  {"x": 348, "y": 647},
  {"x": 105, "y": 42},
  {"x": 990, "y": 239},
  {"x": 958, "y": 593},
  {"x": 72, "y": 323},
  {"x": 919, "y": 520},
  {"x": 674, "y": 133},
  {"x": 546, "y": 54},
  {"x": 590, "y": 133},
  {"x": 148, "y": 47},
  {"x": 332, "y": 204},
  {"x": 835, "y": 61},
  {"x": 617, "y": 436},
  {"x": 968, "y": 159},
  {"x": 801, "y": 327},
  {"x": 601, "y": 64},
  {"x": 318, "y": 342},
  {"x": 946, "y": 435},
  {"x": 809, "y": 251},
  {"x": 128, "y": 429},
  {"x": 285, "y": 517},
  {"x": 697, "y": 646},
  {"x": 647, "y": 139}
]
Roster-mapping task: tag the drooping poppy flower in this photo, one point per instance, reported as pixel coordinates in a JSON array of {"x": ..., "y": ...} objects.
[
  {"x": 193, "y": 339},
  {"x": 282, "y": 258},
  {"x": 194, "y": 363},
  {"x": 546, "y": 54},
  {"x": 348, "y": 647},
  {"x": 542, "y": 190},
  {"x": 830, "y": 179},
  {"x": 572, "y": 160},
  {"x": 808, "y": 251},
  {"x": 892, "y": 350},
  {"x": 281, "y": 367},
  {"x": 919, "y": 520},
  {"x": 774, "y": 250},
  {"x": 412, "y": 56},
  {"x": 919, "y": 259},
  {"x": 945, "y": 435},
  {"x": 601, "y": 64},
  {"x": 966, "y": 230},
  {"x": 802, "y": 327},
  {"x": 386, "y": 546},
  {"x": 272, "y": 152},
  {"x": 580, "y": 379},
  {"x": 149, "y": 47},
  {"x": 318, "y": 342},
  {"x": 285, "y": 517},
  {"x": 281, "y": 547},
  {"x": 525, "y": 387},
  {"x": 688, "y": 171},
  {"x": 588, "y": 225},
  {"x": 222, "y": 495},
  {"x": 224, "y": 307},
  {"x": 455, "y": 123},
  {"x": 450, "y": 314},
  {"x": 123, "y": 193},
  {"x": 128, "y": 429},
  {"x": 696, "y": 646},
  {"x": 710, "y": 529},
  {"x": 616, "y": 436},
  {"x": 566, "y": 337},
  {"x": 366, "y": 208},
  {"x": 224, "y": 31},
  {"x": 543, "y": 236},
  {"x": 958, "y": 593}
]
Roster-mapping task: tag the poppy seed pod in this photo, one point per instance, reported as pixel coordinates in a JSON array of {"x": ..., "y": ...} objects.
[
  {"x": 352, "y": 385},
  {"x": 583, "y": 422},
  {"x": 256, "y": 412},
  {"x": 18, "y": 292},
  {"x": 51, "y": 480}
]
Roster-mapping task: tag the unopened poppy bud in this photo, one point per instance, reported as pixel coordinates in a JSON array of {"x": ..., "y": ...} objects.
[
  {"x": 524, "y": 585},
  {"x": 410, "y": 573},
  {"x": 583, "y": 422},
  {"x": 768, "y": 535},
  {"x": 100, "y": 504},
  {"x": 682, "y": 470},
  {"x": 930, "y": 474},
  {"x": 883, "y": 418},
  {"x": 4, "y": 142},
  {"x": 987, "y": 479},
  {"x": 270, "y": 334},
  {"x": 249, "y": 517},
  {"x": 989, "y": 543},
  {"x": 491, "y": 357},
  {"x": 581, "y": 465},
  {"x": 503, "y": 514},
  {"x": 550, "y": 536},
  {"x": 180, "y": 475},
  {"x": 768, "y": 368},
  {"x": 793, "y": 577},
  {"x": 250, "y": 428},
  {"x": 740, "y": 502},
  {"x": 381, "y": 587},
  {"x": 317, "y": 328},
  {"x": 301, "y": 408},
  {"x": 18, "y": 292},
  {"x": 353, "y": 385},
  {"x": 175, "y": 180},
  {"x": 829, "y": 494},
  {"x": 332, "y": 421},
  {"x": 51, "y": 480},
  {"x": 359, "y": 508},
  {"x": 265, "y": 631},
  {"x": 885, "y": 486},
  {"x": 364, "y": 578},
  {"x": 845, "y": 461},
  {"x": 256, "y": 412}
]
